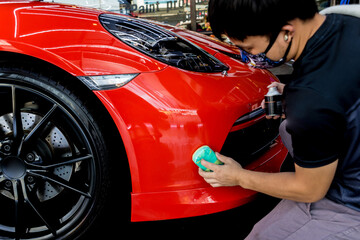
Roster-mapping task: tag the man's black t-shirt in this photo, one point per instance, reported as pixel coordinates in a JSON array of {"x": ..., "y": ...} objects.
[{"x": 323, "y": 105}]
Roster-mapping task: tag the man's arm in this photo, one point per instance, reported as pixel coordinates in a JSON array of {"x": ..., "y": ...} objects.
[{"x": 303, "y": 185}]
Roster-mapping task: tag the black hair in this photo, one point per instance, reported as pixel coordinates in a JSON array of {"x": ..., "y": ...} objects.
[{"x": 241, "y": 18}]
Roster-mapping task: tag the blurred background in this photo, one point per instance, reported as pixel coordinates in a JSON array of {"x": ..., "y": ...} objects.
[{"x": 189, "y": 14}]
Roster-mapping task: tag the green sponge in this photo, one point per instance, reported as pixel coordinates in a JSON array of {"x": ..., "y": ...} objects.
[{"x": 207, "y": 154}]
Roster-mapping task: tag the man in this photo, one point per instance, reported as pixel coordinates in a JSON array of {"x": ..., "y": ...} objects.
[{"x": 322, "y": 108}]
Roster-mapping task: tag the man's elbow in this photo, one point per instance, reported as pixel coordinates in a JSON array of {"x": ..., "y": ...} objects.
[{"x": 313, "y": 196}]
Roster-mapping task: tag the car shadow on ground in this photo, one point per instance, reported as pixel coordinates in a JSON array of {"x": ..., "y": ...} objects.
[{"x": 236, "y": 222}]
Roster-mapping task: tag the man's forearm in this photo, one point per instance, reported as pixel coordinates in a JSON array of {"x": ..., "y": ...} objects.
[
  {"x": 305, "y": 185},
  {"x": 281, "y": 185}
]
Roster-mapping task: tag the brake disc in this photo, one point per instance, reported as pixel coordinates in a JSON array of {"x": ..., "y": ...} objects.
[{"x": 55, "y": 141}]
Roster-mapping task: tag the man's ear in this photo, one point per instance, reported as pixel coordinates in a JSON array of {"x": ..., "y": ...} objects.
[{"x": 289, "y": 29}]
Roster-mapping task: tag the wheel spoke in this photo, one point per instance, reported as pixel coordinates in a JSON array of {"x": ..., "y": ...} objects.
[
  {"x": 18, "y": 132},
  {"x": 19, "y": 208},
  {"x": 21, "y": 198},
  {"x": 57, "y": 180},
  {"x": 17, "y": 122},
  {"x": 38, "y": 129},
  {"x": 62, "y": 162},
  {"x": 36, "y": 209}
]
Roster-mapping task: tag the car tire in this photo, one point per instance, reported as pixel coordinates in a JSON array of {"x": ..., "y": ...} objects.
[{"x": 54, "y": 158}]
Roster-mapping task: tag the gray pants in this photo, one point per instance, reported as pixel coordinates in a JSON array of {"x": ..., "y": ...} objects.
[{"x": 322, "y": 220}]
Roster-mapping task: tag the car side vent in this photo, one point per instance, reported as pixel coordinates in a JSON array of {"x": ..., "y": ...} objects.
[{"x": 161, "y": 44}]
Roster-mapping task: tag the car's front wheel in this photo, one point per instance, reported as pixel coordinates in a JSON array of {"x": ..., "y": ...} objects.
[{"x": 53, "y": 158}]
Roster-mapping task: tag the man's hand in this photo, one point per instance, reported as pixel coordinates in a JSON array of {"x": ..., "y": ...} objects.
[
  {"x": 222, "y": 175},
  {"x": 280, "y": 88}
]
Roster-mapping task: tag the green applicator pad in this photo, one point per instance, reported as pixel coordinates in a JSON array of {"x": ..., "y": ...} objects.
[{"x": 207, "y": 154}]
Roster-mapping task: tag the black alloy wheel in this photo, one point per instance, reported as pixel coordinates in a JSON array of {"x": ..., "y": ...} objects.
[{"x": 53, "y": 159}]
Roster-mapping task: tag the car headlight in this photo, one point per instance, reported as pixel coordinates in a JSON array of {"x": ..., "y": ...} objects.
[
  {"x": 161, "y": 44},
  {"x": 106, "y": 82}
]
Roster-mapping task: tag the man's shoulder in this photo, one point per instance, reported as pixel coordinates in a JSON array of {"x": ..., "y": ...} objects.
[{"x": 309, "y": 105}]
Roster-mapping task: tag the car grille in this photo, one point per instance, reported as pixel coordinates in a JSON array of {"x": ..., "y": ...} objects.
[{"x": 247, "y": 144}]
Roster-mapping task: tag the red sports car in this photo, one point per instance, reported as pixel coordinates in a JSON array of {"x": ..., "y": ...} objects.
[{"x": 97, "y": 106}]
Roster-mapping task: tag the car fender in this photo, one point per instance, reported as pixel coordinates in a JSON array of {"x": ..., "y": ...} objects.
[
  {"x": 39, "y": 53},
  {"x": 73, "y": 40}
]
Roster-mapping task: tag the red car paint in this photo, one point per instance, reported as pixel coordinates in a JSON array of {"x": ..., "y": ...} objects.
[{"x": 163, "y": 115}]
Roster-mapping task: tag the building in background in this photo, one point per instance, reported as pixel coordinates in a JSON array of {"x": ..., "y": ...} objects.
[
  {"x": 190, "y": 14},
  {"x": 174, "y": 12}
]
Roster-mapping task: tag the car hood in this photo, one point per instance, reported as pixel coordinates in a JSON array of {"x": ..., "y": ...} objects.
[{"x": 74, "y": 36}]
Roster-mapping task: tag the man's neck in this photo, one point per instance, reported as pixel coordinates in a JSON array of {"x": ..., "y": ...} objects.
[{"x": 306, "y": 29}]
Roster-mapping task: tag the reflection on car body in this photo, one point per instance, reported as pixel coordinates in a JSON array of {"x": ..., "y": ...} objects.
[{"x": 91, "y": 98}]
